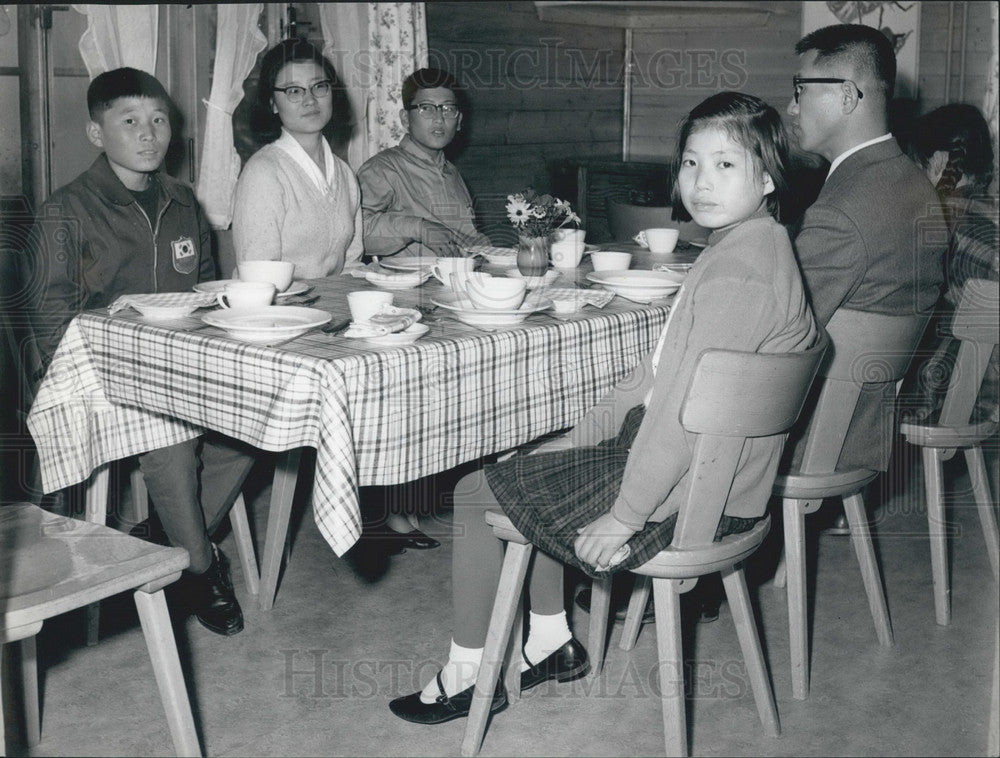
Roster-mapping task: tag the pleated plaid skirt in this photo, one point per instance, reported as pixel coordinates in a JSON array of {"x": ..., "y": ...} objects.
[{"x": 548, "y": 496}]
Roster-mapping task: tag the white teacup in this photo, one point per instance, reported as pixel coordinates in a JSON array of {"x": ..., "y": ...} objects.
[
  {"x": 458, "y": 280},
  {"x": 497, "y": 293},
  {"x": 244, "y": 295},
  {"x": 567, "y": 247},
  {"x": 662, "y": 240},
  {"x": 366, "y": 303},
  {"x": 445, "y": 267},
  {"x": 605, "y": 260},
  {"x": 278, "y": 273}
]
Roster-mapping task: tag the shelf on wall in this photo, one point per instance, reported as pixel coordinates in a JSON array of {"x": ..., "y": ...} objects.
[{"x": 648, "y": 16}]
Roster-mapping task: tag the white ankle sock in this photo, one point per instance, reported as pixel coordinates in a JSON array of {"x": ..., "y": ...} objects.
[
  {"x": 458, "y": 674},
  {"x": 546, "y": 634}
]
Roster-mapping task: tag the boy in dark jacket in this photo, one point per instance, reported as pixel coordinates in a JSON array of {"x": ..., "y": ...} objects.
[{"x": 123, "y": 227}]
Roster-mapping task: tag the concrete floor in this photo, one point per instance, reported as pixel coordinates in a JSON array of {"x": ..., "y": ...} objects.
[{"x": 314, "y": 675}]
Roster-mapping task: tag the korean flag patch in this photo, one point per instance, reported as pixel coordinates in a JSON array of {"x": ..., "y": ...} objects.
[{"x": 185, "y": 255}]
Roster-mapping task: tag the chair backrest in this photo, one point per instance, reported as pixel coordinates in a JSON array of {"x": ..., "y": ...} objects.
[
  {"x": 733, "y": 396},
  {"x": 975, "y": 323},
  {"x": 625, "y": 220},
  {"x": 864, "y": 347}
]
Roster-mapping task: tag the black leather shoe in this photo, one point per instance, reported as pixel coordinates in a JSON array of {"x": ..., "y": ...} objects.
[
  {"x": 564, "y": 665},
  {"x": 384, "y": 539},
  {"x": 215, "y": 604},
  {"x": 417, "y": 540},
  {"x": 444, "y": 708}
]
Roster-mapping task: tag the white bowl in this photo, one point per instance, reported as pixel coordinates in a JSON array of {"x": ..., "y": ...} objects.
[
  {"x": 609, "y": 260},
  {"x": 278, "y": 273},
  {"x": 402, "y": 281},
  {"x": 533, "y": 281},
  {"x": 167, "y": 306},
  {"x": 463, "y": 310},
  {"x": 639, "y": 286},
  {"x": 411, "y": 263},
  {"x": 268, "y": 326},
  {"x": 496, "y": 293},
  {"x": 498, "y": 256}
]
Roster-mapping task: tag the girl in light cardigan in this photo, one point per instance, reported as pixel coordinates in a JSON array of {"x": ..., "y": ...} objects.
[
  {"x": 619, "y": 477},
  {"x": 295, "y": 200}
]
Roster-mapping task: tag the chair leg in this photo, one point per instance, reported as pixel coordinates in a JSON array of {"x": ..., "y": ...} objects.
[
  {"x": 667, "y": 607},
  {"x": 984, "y": 504},
  {"x": 29, "y": 686},
  {"x": 937, "y": 533},
  {"x": 286, "y": 472},
  {"x": 798, "y": 621},
  {"x": 515, "y": 566},
  {"x": 159, "y": 635},
  {"x": 734, "y": 580},
  {"x": 597, "y": 631},
  {"x": 781, "y": 572},
  {"x": 636, "y": 608},
  {"x": 244, "y": 544},
  {"x": 854, "y": 508},
  {"x": 96, "y": 512},
  {"x": 514, "y": 656}
]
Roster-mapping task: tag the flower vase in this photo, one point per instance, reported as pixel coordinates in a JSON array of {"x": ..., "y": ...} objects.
[{"x": 533, "y": 255}]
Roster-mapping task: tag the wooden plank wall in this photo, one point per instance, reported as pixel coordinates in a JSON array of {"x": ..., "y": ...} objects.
[
  {"x": 541, "y": 91},
  {"x": 538, "y": 92},
  {"x": 676, "y": 70}
]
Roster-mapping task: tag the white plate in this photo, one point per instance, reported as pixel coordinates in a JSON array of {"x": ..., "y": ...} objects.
[
  {"x": 534, "y": 281},
  {"x": 267, "y": 326},
  {"x": 406, "y": 337},
  {"x": 402, "y": 281},
  {"x": 166, "y": 306},
  {"x": 164, "y": 312},
  {"x": 639, "y": 286},
  {"x": 495, "y": 255},
  {"x": 415, "y": 263},
  {"x": 460, "y": 306},
  {"x": 295, "y": 288}
]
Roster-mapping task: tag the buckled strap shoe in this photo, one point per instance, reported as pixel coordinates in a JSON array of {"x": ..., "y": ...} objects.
[
  {"x": 417, "y": 540},
  {"x": 564, "y": 665},
  {"x": 444, "y": 708},
  {"x": 214, "y": 603}
]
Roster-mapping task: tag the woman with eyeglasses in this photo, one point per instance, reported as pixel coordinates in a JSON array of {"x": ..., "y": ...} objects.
[
  {"x": 414, "y": 200},
  {"x": 295, "y": 200}
]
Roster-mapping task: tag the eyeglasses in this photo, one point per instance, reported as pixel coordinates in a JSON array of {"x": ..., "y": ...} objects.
[
  {"x": 798, "y": 81},
  {"x": 429, "y": 110},
  {"x": 295, "y": 93}
]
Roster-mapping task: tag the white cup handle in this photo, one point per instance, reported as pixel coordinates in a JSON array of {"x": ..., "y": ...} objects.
[
  {"x": 439, "y": 274},
  {"x": 221, "y": 300},
  {"x": 641, "y": 239}
]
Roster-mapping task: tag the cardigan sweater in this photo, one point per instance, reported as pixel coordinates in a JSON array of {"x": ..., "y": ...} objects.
[
  {"x": 280, "y": 214},
  {"x": 743, "y": 293}
]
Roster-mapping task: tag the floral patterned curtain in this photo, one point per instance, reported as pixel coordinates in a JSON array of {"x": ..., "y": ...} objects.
[
  {"x": 992, "y": 99},
  {"x": 119, "y": 35},
  {"x": 238, "y": 41},
  {"x": 374, "y": 46}
]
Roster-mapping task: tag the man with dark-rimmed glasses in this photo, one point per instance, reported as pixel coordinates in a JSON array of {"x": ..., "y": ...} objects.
[{"x": 874, "y": 238}]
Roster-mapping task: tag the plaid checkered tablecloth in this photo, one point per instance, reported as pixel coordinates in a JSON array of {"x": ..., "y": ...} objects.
[{"x": 120, "y": 385}]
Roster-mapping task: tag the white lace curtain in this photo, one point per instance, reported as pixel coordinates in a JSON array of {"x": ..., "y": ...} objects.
[
  {"x": 374, "y": 47},
  {"x": 238, "y": 42},
  {"x": 119, "y": 35}
]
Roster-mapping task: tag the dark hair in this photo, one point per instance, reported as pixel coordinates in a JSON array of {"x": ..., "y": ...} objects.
[
  {"x": 429, "y": 78},
  {"x": 123, "y": 82},
  {"x": 962, "y": 132},
  {"x": 264, "y": 122},
  {"x": 752, "y": 123},
  {"x": 868, "y": 50}
]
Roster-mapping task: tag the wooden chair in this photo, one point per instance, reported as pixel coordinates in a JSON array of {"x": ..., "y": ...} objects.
[
  {"x": 96, "y": 513},
  {"x": 864, "y": 347},
  {"x": 975, "y": 325},
  {"x": 732, "y": 396},
  {"x": 625, "y": 221},
  {"x": 50, "y": 565}
]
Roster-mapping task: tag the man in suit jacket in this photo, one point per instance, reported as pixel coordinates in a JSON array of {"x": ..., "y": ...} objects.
[{"x": 874, "y": 239}]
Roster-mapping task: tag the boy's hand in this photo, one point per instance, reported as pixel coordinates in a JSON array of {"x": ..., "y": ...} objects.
[{"x": 600, "y": 540}]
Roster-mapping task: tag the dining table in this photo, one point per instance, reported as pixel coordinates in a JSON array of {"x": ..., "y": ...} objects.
[{"x": 121, "y": 384}]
